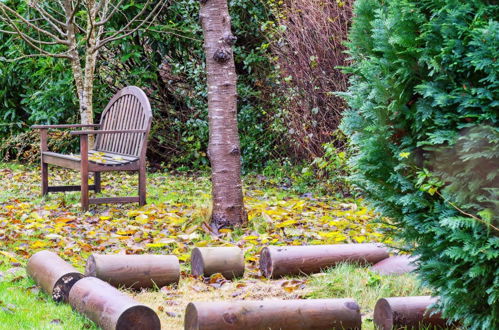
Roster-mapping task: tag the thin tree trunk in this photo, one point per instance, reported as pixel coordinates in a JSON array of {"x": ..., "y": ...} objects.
[
  {"x": 75, "y": 57},
  {"x": 86, "y": 104},
  {"x": 223, "y": 148}
]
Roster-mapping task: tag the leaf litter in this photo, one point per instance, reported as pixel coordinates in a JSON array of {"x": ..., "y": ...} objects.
[{"x": 175, "y": 220}]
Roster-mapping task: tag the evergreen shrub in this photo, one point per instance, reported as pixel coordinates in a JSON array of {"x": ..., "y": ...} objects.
[{"x": 423, "y": 124}]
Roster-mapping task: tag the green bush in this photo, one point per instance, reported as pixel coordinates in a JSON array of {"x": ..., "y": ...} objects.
[{"x": 424, "y": 127}]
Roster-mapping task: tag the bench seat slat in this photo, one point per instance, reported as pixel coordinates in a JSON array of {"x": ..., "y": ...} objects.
[{"x": 97, "y": 157}]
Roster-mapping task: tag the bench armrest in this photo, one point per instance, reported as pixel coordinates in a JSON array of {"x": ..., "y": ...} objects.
[
  {"x": 108, "y": 132},
  {"x": 64, "y": 126}
]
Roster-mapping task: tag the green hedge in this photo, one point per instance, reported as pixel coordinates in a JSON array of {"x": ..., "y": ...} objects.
[{"x": 423, "y": 121}]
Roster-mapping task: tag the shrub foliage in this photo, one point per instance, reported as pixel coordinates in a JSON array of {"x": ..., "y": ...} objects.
[{"x": 423, "y": 121}]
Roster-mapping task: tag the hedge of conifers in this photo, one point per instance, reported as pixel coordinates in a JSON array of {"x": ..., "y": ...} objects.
[{"x": 423, "y": 123}]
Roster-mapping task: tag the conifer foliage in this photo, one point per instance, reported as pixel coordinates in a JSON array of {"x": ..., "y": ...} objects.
[{"x": 423, "y": 123}]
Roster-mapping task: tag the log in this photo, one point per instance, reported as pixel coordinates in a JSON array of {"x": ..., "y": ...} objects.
[
  {"x": 134, "y": 271},
  {"x": 110, "y": 308},
  {"x": 407, "y": 312},
  {"x": 395, "y": 265},
  {"x": 54, "y": 275},
  {"x": 273, "y": 314},
  {"x": 277, "y": 261},
  {"x": 206, "y": 261}
]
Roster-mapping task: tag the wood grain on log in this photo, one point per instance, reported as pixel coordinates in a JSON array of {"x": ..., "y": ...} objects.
[
  {"x": 54, "y": 275},
  {"x": 110, "y": 308},
  {"x": 407, "y": 312},
  {"x": 134, "y": 271},
  {"x": 273, "y": 314},
  {"x": 395, "y": 265},
  {"x": 229, "y": 261},
  {"x": 277, "y": 261}
]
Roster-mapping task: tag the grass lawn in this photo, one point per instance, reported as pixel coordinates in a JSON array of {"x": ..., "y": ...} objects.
[{"x": 174, "y": 221}]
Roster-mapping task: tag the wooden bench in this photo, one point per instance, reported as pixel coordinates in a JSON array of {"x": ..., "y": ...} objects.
[{"x": 120, "y": 145}]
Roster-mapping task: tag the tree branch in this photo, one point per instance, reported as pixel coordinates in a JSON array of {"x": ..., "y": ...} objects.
[
  {"x": 6, "y": 9},
  {"x": 125, "y": 31},
  {"x": 108, "y": 17},
  {"x": 49, "y": 18}
]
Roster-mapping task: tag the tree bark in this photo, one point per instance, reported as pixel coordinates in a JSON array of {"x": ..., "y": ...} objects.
[
  {"x": 277, "y": 261},
  {"x": 274, "y": 314},
  {"x": 408, "y": 313},
  {"x": 55, "y": 276},
  {"x": 110, "y": 308},
  {"x": 86, "y": 101},
  {"x": 223, "y": 149},
  {"x": 75, "y": 57},
  {"x": 229, "y": 261},
  {"x": 134, "y": 271}
]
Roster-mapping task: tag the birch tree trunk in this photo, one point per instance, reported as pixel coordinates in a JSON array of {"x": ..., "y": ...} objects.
[
  {"x": 86, "y": 99},
  {"x": 223, "y": 147}
]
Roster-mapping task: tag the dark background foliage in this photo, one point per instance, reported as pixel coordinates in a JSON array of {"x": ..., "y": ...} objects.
[
  {"x": 423, "y": 123},
  {"x": 281, "y": 121},
  {"x": 167, "y": 61}
]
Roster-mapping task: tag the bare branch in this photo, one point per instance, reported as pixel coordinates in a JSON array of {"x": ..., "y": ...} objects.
[
  {"x": 125, "y": 31},
  {"x": 11, "y": 60},
  {"x": 7, "y": 32},
  {"x": 108, "y": 17},
  {"x": 33, "y": 42},
  {"x": 49, "y": 18},
  {"x": 6, "y": 9},
  {"x": 172, "y": 33}
]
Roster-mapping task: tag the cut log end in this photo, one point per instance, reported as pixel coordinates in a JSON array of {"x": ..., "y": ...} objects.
[
  {"x": 266, "y": 263},
  {"x": 138, "y": 317},
  {"x": 90, "y": 267},
  {"x": 197, "y": 263},
  {"x": 191, "y": 318},
  {"x": 64, "y": 285},
  {"x": 383, "y": 315}
]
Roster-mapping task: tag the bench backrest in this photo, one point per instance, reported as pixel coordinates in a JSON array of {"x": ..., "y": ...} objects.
[{"x": 129, "y": 109}]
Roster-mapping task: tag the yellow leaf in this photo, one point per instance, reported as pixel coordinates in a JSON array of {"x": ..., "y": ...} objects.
[
  {"x": 286, "y": 223},
  {"x": 35, "y": 216},
  {"x": 432, "y": 191},
  {"x": 38, "y": 244},
  {"x": 10, "y": 256},
  {"x": 133, "y": 213},
  {"x": 404, "y": 154},
  {"x": 156, "y": 245},
  {"x": 142, "y": 218},
  {"x": 105, "y": 217},
  {"x": 359, "y": 239},
  {"x": 184, "y": 257},
  {"x": 251, "y": 237}
]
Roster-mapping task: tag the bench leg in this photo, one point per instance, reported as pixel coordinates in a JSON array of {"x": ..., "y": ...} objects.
[
  {"x": 97, "y": 182},
  {"x": 45, "y": 178},
  {"x": 84, "y": 172},
  {"x": 84, "y": 188},
  {"x": 142, "y": 186}
]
